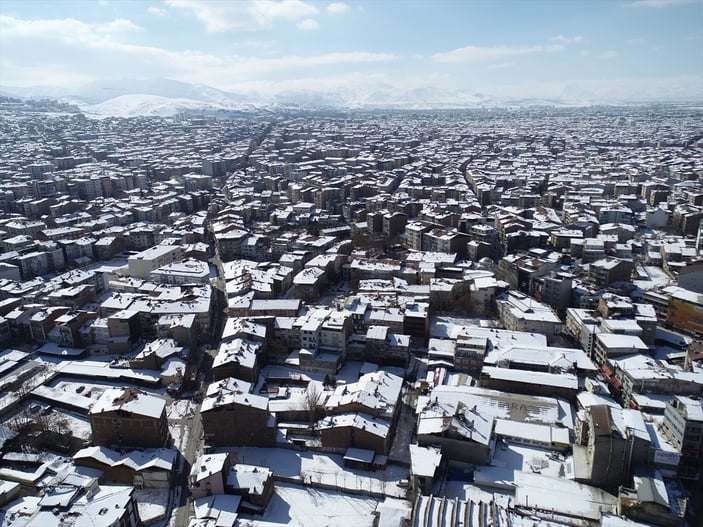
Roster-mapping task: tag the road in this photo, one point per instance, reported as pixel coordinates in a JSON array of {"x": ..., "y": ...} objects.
[
  {"x": 192, "y": 424},
  {"x": 191, "y": 450}
]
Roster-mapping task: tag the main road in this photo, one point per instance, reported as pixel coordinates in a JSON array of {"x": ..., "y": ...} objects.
[{"x": 191, "y": 424}]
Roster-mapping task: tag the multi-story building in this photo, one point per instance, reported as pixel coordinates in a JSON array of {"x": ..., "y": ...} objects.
[
  {"x": 608, "y": 270},
  {"x": 683, "y": 426},
  {"x": 518, "y": 312},
  {"x": 414, "y": 232},
  {"x": 143, "y": 263},
  {"x": 607, "y": 345},
  {"x": 188, "y": 271},
  {"x": 232, "y": 416},
  {"x": 685, "y": 309},
  {"x": 129, "y": 417},
  {"x": 610, "y": 442},
  {"x": 554, "y": 289}
]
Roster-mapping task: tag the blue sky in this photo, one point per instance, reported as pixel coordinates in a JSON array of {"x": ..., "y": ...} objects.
[{"x": 500, "y": 47}]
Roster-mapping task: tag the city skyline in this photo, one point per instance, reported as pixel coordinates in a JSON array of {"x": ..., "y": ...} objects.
[{"x": 642, "y": 49}]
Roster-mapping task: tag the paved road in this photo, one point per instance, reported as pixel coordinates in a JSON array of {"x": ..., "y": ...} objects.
[
  {"x": 189, "y": 451},
  {"x": 193, "y": 446}
]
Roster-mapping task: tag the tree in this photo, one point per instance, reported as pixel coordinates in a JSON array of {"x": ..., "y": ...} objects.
[{"x": 312, "y": 400}]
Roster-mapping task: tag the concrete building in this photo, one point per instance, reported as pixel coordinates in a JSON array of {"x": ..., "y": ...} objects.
[
  {"x": 683, "y": 426},
  {"x": 610, "y": 441},
  {"x": 518, "y": 312},
  {"x": 144, "y": 262},
  {"x": 608, "y": 270}
]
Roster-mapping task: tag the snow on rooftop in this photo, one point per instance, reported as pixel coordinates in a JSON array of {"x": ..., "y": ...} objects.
[
  {"x": 424, "y": 460},
  {"x": 501, "y": 405},
  {"x": 296, "y": 506},
  {"x": 561, "y": 380},
  {"x": 130, "y": 400}
]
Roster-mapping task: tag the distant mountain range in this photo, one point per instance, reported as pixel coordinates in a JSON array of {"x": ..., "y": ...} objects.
[{"x": 165, "y": 97}]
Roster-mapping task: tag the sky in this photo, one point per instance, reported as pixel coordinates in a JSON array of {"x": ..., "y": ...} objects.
[{"x": 518, "y": 48}]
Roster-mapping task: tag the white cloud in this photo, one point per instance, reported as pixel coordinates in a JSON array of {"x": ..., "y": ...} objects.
[
  {"x": 500, "y": 66},
  {"x": 567, "y": 40},
  {"x": 477, "y": 53},
  {"x": 261, "y": 46},
  {"x": 589, "y": 91},
  {"x": 257, "y": 15},
  {"x": 157, "y": 11},
  {"x": 585, "y": 52},
  {"x": 338, "y": 8},
  {"x": 608, "y": 55},
  {"x": 51, "y": 72},
  {"x": 66, "y": 29},
  {"x": 308, "y": 25},
  {"x": 119, "y": 25},
  {"x": 658, "y": 4},
  {"x": 94, "y": 51},
  {"x": 257, "y": 64}
]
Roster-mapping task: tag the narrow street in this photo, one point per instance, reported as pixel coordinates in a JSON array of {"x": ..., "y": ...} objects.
[{"x": 193, "y": 427}]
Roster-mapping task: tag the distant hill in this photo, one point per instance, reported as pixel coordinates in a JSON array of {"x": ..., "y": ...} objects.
[
  {"x": 166, "y": 97},
  {"x": 140, "y": 104}
]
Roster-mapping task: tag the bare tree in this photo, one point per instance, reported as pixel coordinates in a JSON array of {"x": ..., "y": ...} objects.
[{"x": 312, "y": 400}]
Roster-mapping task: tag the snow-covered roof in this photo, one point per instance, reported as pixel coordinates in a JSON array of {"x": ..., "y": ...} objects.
[
  {"x": 238, "y": 350},
  {"x": 249, "y": 477},
  {"x": 129, "y": 400},
  {"x": 359, "y": 421},
  {"x": 222, "y": 508},
  {"x": 424, "y": 460},
  {"x": 378, "y": 391},
  {"x": 501, "y": 405},
  {"x": 232, "y": 391},
  {"x": 137, "y": 460},
  {"x": 553, "y": 357},
  {"x": 542, "y": 378}
]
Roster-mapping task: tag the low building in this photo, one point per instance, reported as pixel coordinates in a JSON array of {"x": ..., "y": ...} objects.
[
  {"x": 424, "y": 462},
  {"x": 355, "y": 430},
  {"x": 148, "y": 468},
  {"x": 208, "y": 474},
  {"x": 254, "y": 484},
  {"x": 237, "y": 358},
  {"x": 108, "y": 505},
  {"x": 651, "y": 500}
]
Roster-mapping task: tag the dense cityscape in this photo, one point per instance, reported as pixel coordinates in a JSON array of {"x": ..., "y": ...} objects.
[{"x": 487, "y": 317}]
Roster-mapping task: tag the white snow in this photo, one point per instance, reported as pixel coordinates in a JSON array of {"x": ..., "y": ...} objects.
[
  {"x": 142, "y": 105},
  {"x": 324, "y": 470},
  {"x": 179, "y": 409},
  {"x": 307, "y": 507},
  {"x": 152, "y": 504}
]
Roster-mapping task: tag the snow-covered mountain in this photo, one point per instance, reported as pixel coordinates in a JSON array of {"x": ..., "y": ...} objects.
[
  {"x": 100, "y": 91},
  {"x": 139, "y": 104},
  {"x": 165, "y": 97}
]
